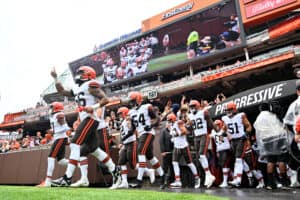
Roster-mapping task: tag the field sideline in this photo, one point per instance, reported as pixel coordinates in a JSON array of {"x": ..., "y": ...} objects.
[{"x": 34, "y": 193}]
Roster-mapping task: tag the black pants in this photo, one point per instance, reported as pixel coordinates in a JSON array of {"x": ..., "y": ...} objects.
[{"x": 168, "y": 168}]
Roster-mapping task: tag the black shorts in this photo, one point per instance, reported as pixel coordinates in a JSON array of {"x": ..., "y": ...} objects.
[
  {"x": 278, "y": 158},
  {"x": 103, "y": 139},
  {"x": 225, "y": 158},
  {"x": 238, "y": 147},
  {"x": 58, "y": 149},
  {"x": 86, "y": 129},
  {"x": 145, "y": 145},
  {"x": 185, "y": 152},
  {"x": 128, "y": 154},
  {"x": 201, "y": 144}
]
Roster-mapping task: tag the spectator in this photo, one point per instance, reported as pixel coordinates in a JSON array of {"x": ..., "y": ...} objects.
[
  {"x": 5, "y": 147},
  {"x": 15, "y": 145},
  {"x": 26, "y": 141},
  {"x": 38, "y": 138},
  {"x": 193, "y": 41},
  {"x": 166, "y": 41}
]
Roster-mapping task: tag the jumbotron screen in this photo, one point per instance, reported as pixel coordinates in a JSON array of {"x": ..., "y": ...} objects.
[{"x": 205, "y": 32}]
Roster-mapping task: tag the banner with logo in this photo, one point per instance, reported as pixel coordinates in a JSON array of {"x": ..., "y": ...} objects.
[{"x": 256, "y": 96}]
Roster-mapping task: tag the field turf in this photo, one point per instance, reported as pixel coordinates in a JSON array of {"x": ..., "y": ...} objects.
[{"x": 34, "y": 193}]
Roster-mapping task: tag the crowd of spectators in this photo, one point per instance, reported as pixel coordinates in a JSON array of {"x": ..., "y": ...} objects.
[{"x": 26, "y": 142}]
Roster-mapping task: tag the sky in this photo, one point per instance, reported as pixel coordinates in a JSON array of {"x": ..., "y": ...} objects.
[{"x": 37, "y": 35}]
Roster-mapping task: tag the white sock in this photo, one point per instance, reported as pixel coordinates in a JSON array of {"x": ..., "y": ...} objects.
[
  {"x": 176, "y": 170},
  {"x": 238, "y": 169},
  {"x": 246, "y": 169},
  {"x": 142, "y": 166},
  {"x": 124, "y": 172},
  {"x": 103, "y": 157},
  {"x": 204, "y": 164},
  {"x": 84, "y": 168},
  {"x": 74, "y": 157},
  {"x": 193, "y": 169},
  {"x": 63, "y": 162},
  {"x": 225, "y": 174},
  {"x": 50, "y": 168},
  {"x": 156, "y": 165}
]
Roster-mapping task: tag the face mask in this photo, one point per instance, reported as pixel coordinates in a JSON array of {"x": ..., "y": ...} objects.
[
  {"x": 193, "y": 110},
  {"x": 132, "y": 104}
]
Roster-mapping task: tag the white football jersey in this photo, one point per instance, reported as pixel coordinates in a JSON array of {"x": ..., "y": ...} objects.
[
  {"x": 124, "y": 131},
  {"x": 199, "y": 123},
  {"x": 139, "y": 70},
  {"x": 110, "y": 73},
  {"x": 58, "y": 130},
  {"x": 84, "y": 98},
  {"x": 140, "y": 117},
  {"x": 235, "y": 125},
  {"x": 131, "y": 60},
  {"x": 222, "y": 142},
  {"x": 180, "y": 141}
]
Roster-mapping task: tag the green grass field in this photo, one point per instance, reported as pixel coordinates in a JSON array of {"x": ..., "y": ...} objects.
[
  {"x": 34, "y": 193},
  {"x": 169, "y": 60}
]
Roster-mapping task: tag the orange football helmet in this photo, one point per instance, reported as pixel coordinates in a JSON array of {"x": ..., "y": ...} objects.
[
  {"x": 85, "y": 73},
  {"x": 231, "y": 106},
  {"x": 171, "y": 117},
  {"x": 123, "y": 112},
  {"x": 297, "y": 125},
  {"x": 56, "y": 107},
  {"x": 219, "y": 123},
  {"x": 137, "y": 96}
]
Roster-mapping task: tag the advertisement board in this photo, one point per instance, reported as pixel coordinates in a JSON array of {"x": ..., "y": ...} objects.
[{"x": 208, "y": 31}]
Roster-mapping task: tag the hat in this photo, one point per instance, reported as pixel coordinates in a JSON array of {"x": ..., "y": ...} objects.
[{"x": 175, "y": 107}]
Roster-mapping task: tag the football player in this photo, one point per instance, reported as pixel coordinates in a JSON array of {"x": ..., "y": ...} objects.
[
  {"x": 144, "y": 118},
  {"x": 128, "y": 148},
  {"x": 59, "y": 128},
  {"x": 89, "y": 96},
  {"x": 221, "y": 140},
  {"x": 238, "y": 126},
  {"x": 199, "y": 120},
  {"x": 181, "y": 148}
]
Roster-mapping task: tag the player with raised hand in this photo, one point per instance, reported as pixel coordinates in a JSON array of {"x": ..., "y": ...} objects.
[
  {"x": 89, "y": 96},
  {"x": 181, "y": 148},
  {"x": 59, "y": 128},
  {"x": 144, "y": 118}
]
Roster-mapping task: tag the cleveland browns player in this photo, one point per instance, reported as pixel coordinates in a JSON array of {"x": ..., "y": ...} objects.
[
  {"x": 144, "y": 118},
  {"x": 59, "y": 127},
  {"x": 199, "y": 120},
  {"x": 89, "y": 97},
  {"x": 128, "y": 148},
  {"x": 238, "y": 126},
  {"x": 181, "y": 148}
]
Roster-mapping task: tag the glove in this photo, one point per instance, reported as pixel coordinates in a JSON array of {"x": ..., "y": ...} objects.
[{"x": 147, "y": 128}]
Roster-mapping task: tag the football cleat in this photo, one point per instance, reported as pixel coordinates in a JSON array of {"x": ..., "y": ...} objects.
[
  {"x": 151, "y": 175},
  {"x": 260, "y": 185},
  {"x": 124, "y": 184},
  {"x": 80, "y": 183},
  {"x": 224, "y": 184},
  {"x": 116, "y": 176},
  {"x": 176, "y": 184},
  {"x": 235, "y": 183},
  {"x": 197, "y": 183},
  {"x": 63, "y": 181},
  {"x": 209, "y": 180}
]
